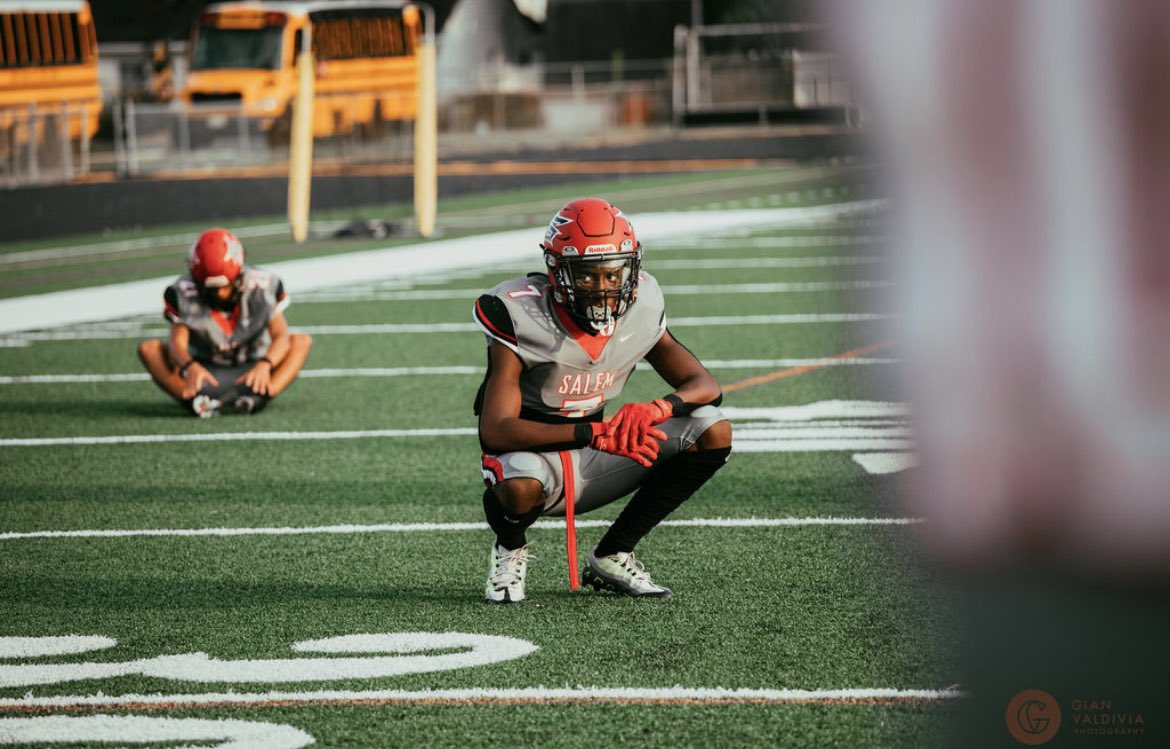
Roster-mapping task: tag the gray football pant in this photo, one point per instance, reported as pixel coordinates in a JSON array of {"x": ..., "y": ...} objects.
[
  {"x": 599, "y": 478},
  {"x": 226, "y": 376}
]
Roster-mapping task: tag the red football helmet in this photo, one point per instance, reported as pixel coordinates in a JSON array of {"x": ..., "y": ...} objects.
[
  {"x": 216, "y": 259},
  {"x": 593, "y": 261}
]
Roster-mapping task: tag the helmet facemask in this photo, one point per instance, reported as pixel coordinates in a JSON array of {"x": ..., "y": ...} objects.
[
  {"x": 593, "y": 260},
  {"x": 596, "y": 289},
  {"x": 212, "y": 298}
]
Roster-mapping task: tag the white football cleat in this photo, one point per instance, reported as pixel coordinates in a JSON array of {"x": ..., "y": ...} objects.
[
  {"x": 205, "y": 407},
  {"x": 622, "y": 573},
  {"x": 507, "y": 570}
]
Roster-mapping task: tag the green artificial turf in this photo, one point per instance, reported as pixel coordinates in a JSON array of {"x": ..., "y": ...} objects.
[{"x": 804, "y": 607}]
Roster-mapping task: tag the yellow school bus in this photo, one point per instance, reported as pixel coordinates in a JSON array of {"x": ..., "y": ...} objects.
[
  {"x": 48, "y": 70},
  {"x": 243, "y": 54}
]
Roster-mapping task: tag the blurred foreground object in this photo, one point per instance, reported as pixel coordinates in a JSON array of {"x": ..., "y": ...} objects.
[{"x": 1032, "y": 171}]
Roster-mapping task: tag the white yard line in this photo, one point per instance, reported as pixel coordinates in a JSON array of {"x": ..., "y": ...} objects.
[
  {"x": 138, "y": 439},
  {"x": 667, "y": 695},
  {"x": 414, "y": 295},
  {"x": 741, "y": 243},
  {"x": 825, "y": 426},
  {"x": 447, "y": 527},
  {"x": 123, "y": 332},
  {"x": 674, "y": 322},
  {"x": 792, "y": 319},
  {"x": 61, "y": 379},
  {"x": 836, "y": 444},
  {"x": 766, "y": 262},
  {"x": 127, "y": 730},
  {"x": 458, "y": 369},
  {"x": 883, "y": 463}
]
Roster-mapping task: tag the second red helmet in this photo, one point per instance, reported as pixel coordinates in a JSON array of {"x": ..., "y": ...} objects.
[{"x": 216, "y": 258}]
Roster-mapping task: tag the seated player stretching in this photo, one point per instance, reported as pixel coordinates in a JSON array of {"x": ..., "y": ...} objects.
[
  {"x": 560, "y": 347},
  {"x": 229, "y": 343}
]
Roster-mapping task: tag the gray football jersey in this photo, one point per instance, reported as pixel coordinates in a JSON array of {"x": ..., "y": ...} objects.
[
  {"x": 262, "y": 296},
  {"x": 561, "y": 380}
]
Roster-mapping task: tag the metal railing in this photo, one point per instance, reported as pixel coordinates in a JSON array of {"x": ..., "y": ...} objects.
[
  {"x": 155, "y": 138},
  {"x": 742, "y": 67},
  {"x": 37, "y": 144}
]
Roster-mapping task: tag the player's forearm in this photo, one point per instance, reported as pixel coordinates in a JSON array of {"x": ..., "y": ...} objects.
[
  {"x": 698, "y": 390},
  {"x": 178, "y": 353},
  {"x": 516, "y": 434}
]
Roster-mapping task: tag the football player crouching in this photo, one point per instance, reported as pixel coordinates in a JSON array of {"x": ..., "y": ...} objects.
[
  {"x": 229, "y": 344},
  {"x": 561, "y": 345}
]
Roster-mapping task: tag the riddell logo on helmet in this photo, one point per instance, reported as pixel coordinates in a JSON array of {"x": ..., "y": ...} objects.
[{"x": 600, "y": 248}]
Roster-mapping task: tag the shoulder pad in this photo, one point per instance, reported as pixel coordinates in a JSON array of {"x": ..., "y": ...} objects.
[
  {"x": 255, "y": 278},
  {"x": 492, "y": 316},
  {"x": 171, "y": 304},
  {"x": 186, "y": 287}
]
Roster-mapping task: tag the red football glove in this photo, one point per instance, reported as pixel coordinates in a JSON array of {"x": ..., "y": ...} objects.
[
  {"x": 635, "y": 422},
  {"x": 644, "y": 452}
]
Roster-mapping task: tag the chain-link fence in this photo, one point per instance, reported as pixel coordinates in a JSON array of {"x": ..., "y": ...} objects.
[
  {"x": 575, "y": 101},
  {"x": 715, "y": 70}
]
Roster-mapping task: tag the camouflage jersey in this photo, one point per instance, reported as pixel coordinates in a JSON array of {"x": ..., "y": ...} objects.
[
  {"x": 227, "y": 339},
  {"x": 561, "y": 382}
]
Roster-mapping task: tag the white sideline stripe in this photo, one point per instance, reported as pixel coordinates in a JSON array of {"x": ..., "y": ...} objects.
[
  {"x": 123, "y": 245},
  {"x": 458, "y": 369},
  {"x": 437, "y": 527},
  {"x": 529, "y": 694},
  {"x": 135, "y": 439},
  {"x": 38, "y": 311},
  {"x": 456, "y": 327},
  {"x": 365, "y": 295}
]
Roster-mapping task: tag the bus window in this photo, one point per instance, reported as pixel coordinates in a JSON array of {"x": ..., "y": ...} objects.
[
  {"x": 355, "y": 35},
  {"x": 48, "y": 80},
  {"x": 217, "y": 48},
  {"x": 365, "y": 62},
  {"x": 40, "y": 40}
]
